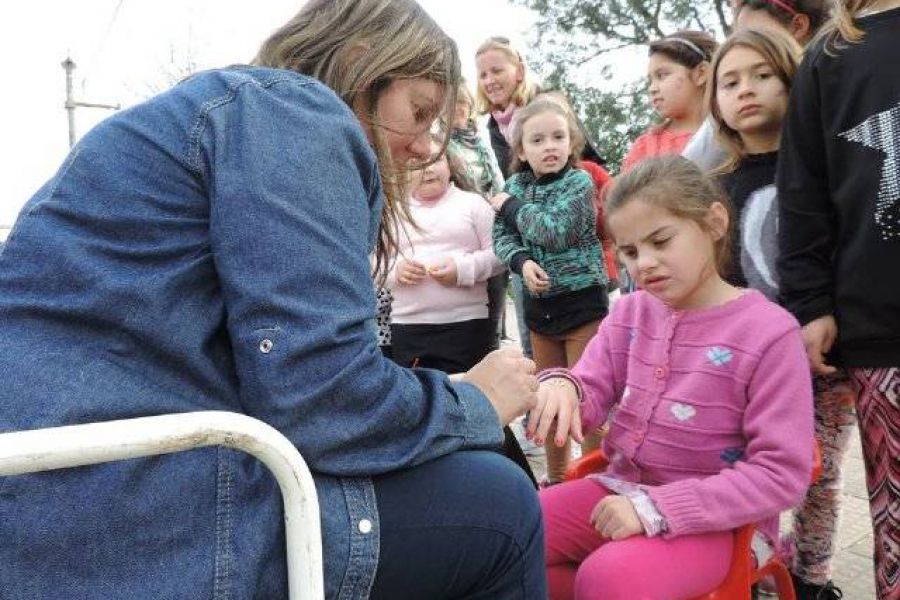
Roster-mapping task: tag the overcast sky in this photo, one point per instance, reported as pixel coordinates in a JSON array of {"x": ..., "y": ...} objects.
[{"x": 124, "y": 50}]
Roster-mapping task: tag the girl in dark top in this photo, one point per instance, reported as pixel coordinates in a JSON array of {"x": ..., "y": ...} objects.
[
  {"x": 839, "y": 239},
  {"x": 752, "y": 76}
]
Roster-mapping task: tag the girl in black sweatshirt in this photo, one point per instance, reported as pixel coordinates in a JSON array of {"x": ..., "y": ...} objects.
[{"x": 839, "y": 213}]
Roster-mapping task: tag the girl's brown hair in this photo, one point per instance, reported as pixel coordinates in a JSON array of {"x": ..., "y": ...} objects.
[
  {"x": 841, "y": 29},
  {"x": 358, "y": 48},
  {"x": 686, "y": 47},
  {"x": 780, "y": 51},
  {"x": 531, "y": 110},
  {"x": 677, "y": 185},
  {"x": 524, "y": 92},
  {"x": 784, "y": 10}
]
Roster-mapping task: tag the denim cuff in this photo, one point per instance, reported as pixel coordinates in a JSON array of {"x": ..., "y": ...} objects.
[{"x": 482, "y": 427}]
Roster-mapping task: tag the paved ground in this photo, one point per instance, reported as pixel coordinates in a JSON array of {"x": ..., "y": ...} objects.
[{"x": 853, "y": 562}]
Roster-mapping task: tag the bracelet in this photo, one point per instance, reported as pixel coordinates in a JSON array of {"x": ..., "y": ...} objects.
[{"x": 559, "y": 373}]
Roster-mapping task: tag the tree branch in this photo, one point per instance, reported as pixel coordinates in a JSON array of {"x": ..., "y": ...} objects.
[{"x": 720, "y": 12}]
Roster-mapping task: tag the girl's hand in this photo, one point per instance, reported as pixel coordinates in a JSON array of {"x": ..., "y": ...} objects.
[
  {"x": 535, "y": 278},
  {"x": 615, "y": 518},
  {"x": 498, "y": 201},
  {"x": 556, "y": 411},
  {"x": 507, "y": 379},
  {"x": 410, "y": 272},
  {"x": 818, "y": 337},
  {"x": 444, "y": 272}
]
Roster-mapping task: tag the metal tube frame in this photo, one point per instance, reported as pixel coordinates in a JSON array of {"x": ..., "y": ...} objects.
[{"x": 93, "y": 443}]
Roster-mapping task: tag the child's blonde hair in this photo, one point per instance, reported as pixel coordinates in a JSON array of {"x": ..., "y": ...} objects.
[
  {"x": 841, "y": 28},
  {"x": 465, "y": 95},
  {"x": 357, "y": 48},
  {"x": 677, "y": 185},
  {"x": 780, "y": 51},
  {"x": 525, "y": 91},
  {"x": 531, "y": 110}
]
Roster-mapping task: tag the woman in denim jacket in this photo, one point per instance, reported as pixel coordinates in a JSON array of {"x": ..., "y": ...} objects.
[{"x": 208, "y": 250}]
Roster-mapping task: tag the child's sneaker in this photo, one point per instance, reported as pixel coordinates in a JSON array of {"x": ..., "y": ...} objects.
[{"x": 811, "y": 591}]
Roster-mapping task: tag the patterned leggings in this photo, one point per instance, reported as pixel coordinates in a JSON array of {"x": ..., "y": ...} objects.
[
  {"x": 815, "y": 521},
  {"x": 878, "y": 408}
]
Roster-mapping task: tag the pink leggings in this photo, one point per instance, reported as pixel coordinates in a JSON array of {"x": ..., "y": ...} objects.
[{"x": 582, "y": 565}]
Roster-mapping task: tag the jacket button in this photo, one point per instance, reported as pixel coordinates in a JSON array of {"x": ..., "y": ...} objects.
[
  {"x": 659, "y": 372},
  {"x": 365, "y": 526},
  {"x": 265, "y": 346}
]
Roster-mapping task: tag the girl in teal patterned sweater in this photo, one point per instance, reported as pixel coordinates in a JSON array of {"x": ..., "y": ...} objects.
[{"x": 545, "y": 230}]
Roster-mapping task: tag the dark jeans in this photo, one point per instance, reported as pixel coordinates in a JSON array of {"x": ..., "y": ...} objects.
[{"x": 467, "y": 525}]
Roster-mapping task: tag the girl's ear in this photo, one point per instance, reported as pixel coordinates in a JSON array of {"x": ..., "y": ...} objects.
[
  {"x": 700, "y": 74},
  {"x": 800, "y": 28},
  {"x": 717, "y": 220}
]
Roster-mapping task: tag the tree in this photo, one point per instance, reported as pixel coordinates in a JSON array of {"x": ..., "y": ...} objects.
[{"x": 573, "y": 36}]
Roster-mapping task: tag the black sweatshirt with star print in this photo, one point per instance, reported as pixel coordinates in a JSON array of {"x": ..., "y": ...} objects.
[{"x": 838, "y": 180}]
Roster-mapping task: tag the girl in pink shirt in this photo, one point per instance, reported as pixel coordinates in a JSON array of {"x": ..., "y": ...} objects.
[
  {"x": 676, "y": 82},
  {"x": 707, "y": 392},
  {"x": 439, "y": 315}
]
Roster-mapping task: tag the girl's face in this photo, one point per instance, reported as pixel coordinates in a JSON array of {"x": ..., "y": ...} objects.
[
  {"x": 546, "y": 143},
  {"x": 498, "y": 77},
  {"x": 432, "y": 182},
  {"x": 671, "y": 257},
  {"x": 752, "y": 99},
  {"x": 461, "y": 113},
  {"x": 405, "y": 111},
  {"x": 676, "y": 92}
]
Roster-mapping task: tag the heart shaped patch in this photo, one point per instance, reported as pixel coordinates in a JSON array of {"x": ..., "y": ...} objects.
[{"x": 683, "y": 412}]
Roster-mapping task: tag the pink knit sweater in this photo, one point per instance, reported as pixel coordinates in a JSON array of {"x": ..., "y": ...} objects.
[
  {"x": 457, "y": 225},
  {"x": 710, "y": 409}
]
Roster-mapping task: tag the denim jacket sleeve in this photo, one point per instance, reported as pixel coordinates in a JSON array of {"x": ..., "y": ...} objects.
[{"x": 295, "y": 200}]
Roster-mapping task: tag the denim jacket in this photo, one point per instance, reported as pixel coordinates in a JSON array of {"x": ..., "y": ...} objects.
[{"x": 208, "y": 250}]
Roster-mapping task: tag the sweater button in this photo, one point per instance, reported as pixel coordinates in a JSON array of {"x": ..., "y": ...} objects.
[{"x": 659, "y": 372}]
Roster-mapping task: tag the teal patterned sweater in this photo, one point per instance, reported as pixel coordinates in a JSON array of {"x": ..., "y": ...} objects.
[{"x": 551, "y": 220}]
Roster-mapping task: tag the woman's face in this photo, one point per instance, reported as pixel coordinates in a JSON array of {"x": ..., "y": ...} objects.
[
  {"x": 675, "y": 90},
  {"x": 405, "y": 112},
  {"x": 498, "y": 77}
]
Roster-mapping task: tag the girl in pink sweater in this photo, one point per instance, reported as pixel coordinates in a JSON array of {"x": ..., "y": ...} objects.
[
  {"x": 707, "y": 392},
  {"x": 439, "y": 316}
]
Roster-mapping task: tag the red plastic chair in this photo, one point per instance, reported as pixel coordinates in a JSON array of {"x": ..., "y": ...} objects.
[{"x": 743, "y": 573}]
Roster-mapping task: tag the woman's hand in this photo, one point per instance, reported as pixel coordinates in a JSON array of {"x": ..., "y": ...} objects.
[
  {"x": 444, "y": 272},
  {"x": 535, "y": 278},
  {"x": 410, "y": 272},
  {"x": 507, "y": 379},
  {"x": 818, "y": 337},
  {"x": 556, "y": 412},
  {"x": 499, "y": 200},
  {"x": 615, "y": 518}
]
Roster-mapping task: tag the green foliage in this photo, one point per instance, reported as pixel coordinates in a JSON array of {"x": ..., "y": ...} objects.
[{"x": 574, "y": 36}]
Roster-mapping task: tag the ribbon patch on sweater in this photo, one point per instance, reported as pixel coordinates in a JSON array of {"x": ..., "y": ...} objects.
[
  {"x": 682, "y": 412},
  {"x": 719, "y": 356}
]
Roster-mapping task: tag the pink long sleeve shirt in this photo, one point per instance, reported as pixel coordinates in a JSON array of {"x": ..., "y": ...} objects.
[
  {"x": 457, "y": 225},
  {"x": 711, "y": 409}
]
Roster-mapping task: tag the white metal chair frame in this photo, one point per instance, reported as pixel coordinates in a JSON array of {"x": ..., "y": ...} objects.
[{"x": 78, "y": 445}]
